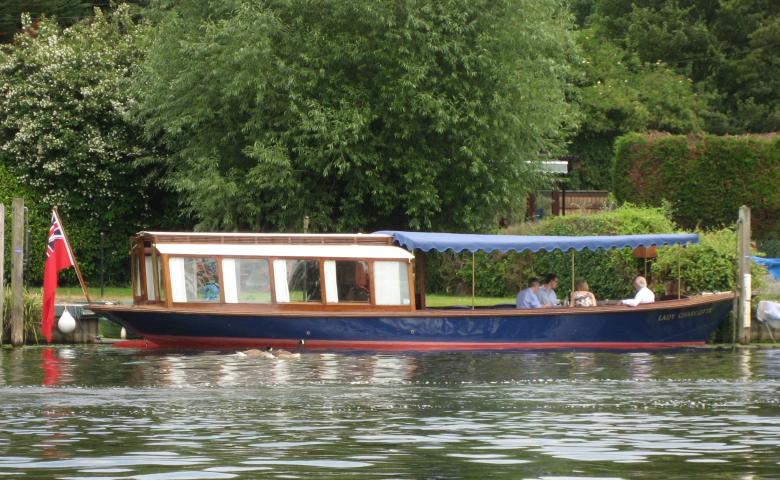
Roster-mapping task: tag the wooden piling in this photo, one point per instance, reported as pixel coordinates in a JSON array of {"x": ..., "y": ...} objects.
[
  {"x": 2, "y": 269},
  {"x": 17, "y": 273},
  {"x": 744, "y": 279}
]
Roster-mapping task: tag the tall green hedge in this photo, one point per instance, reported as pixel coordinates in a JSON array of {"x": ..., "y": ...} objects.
[{"x": 704, "y": 178}]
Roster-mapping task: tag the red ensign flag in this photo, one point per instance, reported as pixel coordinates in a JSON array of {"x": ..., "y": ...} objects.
[{"x": 58, "y": 257}]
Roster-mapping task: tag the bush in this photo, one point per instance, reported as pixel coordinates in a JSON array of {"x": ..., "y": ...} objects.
[{"x": 704, "y": 178}]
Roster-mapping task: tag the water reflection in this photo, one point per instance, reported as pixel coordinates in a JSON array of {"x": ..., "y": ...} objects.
[{"x": 95, "y": 412}]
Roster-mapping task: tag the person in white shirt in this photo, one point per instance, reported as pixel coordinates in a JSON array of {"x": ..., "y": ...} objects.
[{"x": 643, "y": 294}]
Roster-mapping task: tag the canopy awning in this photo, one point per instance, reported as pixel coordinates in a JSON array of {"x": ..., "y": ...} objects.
[{"x": 459, "y": 242}]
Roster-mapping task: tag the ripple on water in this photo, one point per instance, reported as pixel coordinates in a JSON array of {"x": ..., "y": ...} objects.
[{"x": 311, "y": 463}]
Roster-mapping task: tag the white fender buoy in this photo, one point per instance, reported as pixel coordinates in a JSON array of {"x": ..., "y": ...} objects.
[
  {"x": 66, "y": 323},
  {"x": 123, "y": 333}
]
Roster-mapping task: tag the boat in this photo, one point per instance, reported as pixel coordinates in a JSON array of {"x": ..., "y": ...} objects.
[{"x": 359, "y": 291}]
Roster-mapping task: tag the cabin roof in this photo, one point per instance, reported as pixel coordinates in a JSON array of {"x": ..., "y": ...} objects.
[
  {"x": 267, "y": 238},
  {"x": 353, "y": 252}
]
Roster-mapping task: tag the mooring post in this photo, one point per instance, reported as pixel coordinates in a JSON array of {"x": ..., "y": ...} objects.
[
  {"x": 2, "y": 269},
  {"x": 17, "y": 273},
  {"x": 745, "y": 278}
]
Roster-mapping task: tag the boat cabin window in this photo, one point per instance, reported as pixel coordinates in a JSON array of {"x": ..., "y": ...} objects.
[
  {"x": 350, "y": 280},
  {"x": 246, "y": 280},
  {"x": 160, "y": 278},
  {"x": 136, "y": 272},
  {"x": 150, "y": 275},
  {"x": 297, "y": 281},
  {"x": 391, "y": 283},
  {"x": 194, "y": 279}
]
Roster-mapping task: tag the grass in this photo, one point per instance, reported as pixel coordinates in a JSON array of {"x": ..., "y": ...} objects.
[
  {"x": 437, "y": 300},
  {"x": 74, "y": 294}
]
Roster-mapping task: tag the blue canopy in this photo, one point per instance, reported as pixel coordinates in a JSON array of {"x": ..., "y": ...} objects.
[
  {"x": 772, "y": 265},
  {"x": 459, "y": 242}
]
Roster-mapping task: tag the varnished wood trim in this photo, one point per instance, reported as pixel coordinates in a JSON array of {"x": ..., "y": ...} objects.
[
  {"x": 156, "y": 275},
  {"x": 271, "y": 278},
  {"x": 167, "y": 280},
  {"x": 371, "y": 284},
  {"x": 410, "y": 280},
  {"x": 221, "y": 280},
  {"x": 266, "y": 239},
  {"x": 323, "y": 296},
  {"x": 419, "y": 260}
]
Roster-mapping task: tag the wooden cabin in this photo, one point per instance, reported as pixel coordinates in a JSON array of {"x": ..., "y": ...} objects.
[{"x": 273, "y": 272}]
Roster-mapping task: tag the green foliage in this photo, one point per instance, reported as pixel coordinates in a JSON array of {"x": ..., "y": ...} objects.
[
  {"x": 64, "y": 136},
  {"x": 68, "y": 12},
  {"x": 727, "y": 49},
  {"x": 10, "y": 188},
  {"x": 609, "y": 273},
  {"x": 708, "y": 266},
  {"x": 358, "y": 114},
  {"x": 704, "y": 178},
  {"x": 451, "y": 273},
  {"x": 618, "y": 94},
  {"x": 31, "y": 314}
]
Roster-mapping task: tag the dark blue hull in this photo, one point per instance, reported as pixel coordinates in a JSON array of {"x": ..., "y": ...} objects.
[{"x": 647, "y": 326}]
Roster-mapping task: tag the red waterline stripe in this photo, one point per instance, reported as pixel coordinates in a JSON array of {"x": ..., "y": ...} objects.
[{"x": 228, "y": 343}]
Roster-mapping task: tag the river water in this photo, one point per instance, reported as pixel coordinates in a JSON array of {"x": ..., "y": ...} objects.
[{"x": 97, "y": 412}]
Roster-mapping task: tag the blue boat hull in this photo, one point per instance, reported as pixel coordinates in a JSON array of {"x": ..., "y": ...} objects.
[{"x": 647, "y": 326}]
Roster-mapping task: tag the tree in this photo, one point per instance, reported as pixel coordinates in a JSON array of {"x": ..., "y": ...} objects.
[
  {"x": 727, "y": 48},
  {"x": 619, "y": 94},
  {"x": 65, "y": 137},
  {"x": 358, "y": 114},
  {"x": 67, "y": 12}
]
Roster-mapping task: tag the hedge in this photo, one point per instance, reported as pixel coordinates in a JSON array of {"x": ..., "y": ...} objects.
[{"x": 704, "y": 178}]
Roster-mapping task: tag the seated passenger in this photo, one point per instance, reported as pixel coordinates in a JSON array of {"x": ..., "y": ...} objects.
[
  {"x": 643, "y": 294},
  {"x": 210, "y": 289},
  {"x": 546, "y": 293},
  {"x": 582, "y": 296},
  {"x": 527, "y": 298}
]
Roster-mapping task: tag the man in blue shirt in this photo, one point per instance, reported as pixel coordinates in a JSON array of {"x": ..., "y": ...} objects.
[
  {"x": 546, "y": 293},
  {"x": 527, "y": 298}
]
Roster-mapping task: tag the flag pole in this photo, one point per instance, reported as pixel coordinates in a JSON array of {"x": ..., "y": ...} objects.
[{"x": 72, "y": 256}]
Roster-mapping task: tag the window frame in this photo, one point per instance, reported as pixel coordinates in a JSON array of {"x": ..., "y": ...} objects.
[{"x": 166, "y": 282}]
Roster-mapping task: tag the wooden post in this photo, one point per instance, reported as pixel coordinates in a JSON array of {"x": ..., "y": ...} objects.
[
  {"x": 744, "y": 280},
  {"x": 419, "y": 272},
  {"x": 2, "y": 269},
  {"x": 17, "y": 274},
  {"x": 573, "y": 282},
  {"x": 473, "y": 277}
]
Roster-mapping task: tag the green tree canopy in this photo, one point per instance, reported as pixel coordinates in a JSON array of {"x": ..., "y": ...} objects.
[
  {"x": 65, "y": 137},
  {"x": 618, "y": 94},
  {"x": 66, "y": 12},
  {"x": 358, "y": 114},
  {"x": 727, "y": 48}
]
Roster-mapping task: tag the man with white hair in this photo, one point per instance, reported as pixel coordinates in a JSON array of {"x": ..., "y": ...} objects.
[{"x": 643, "y": 294}]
